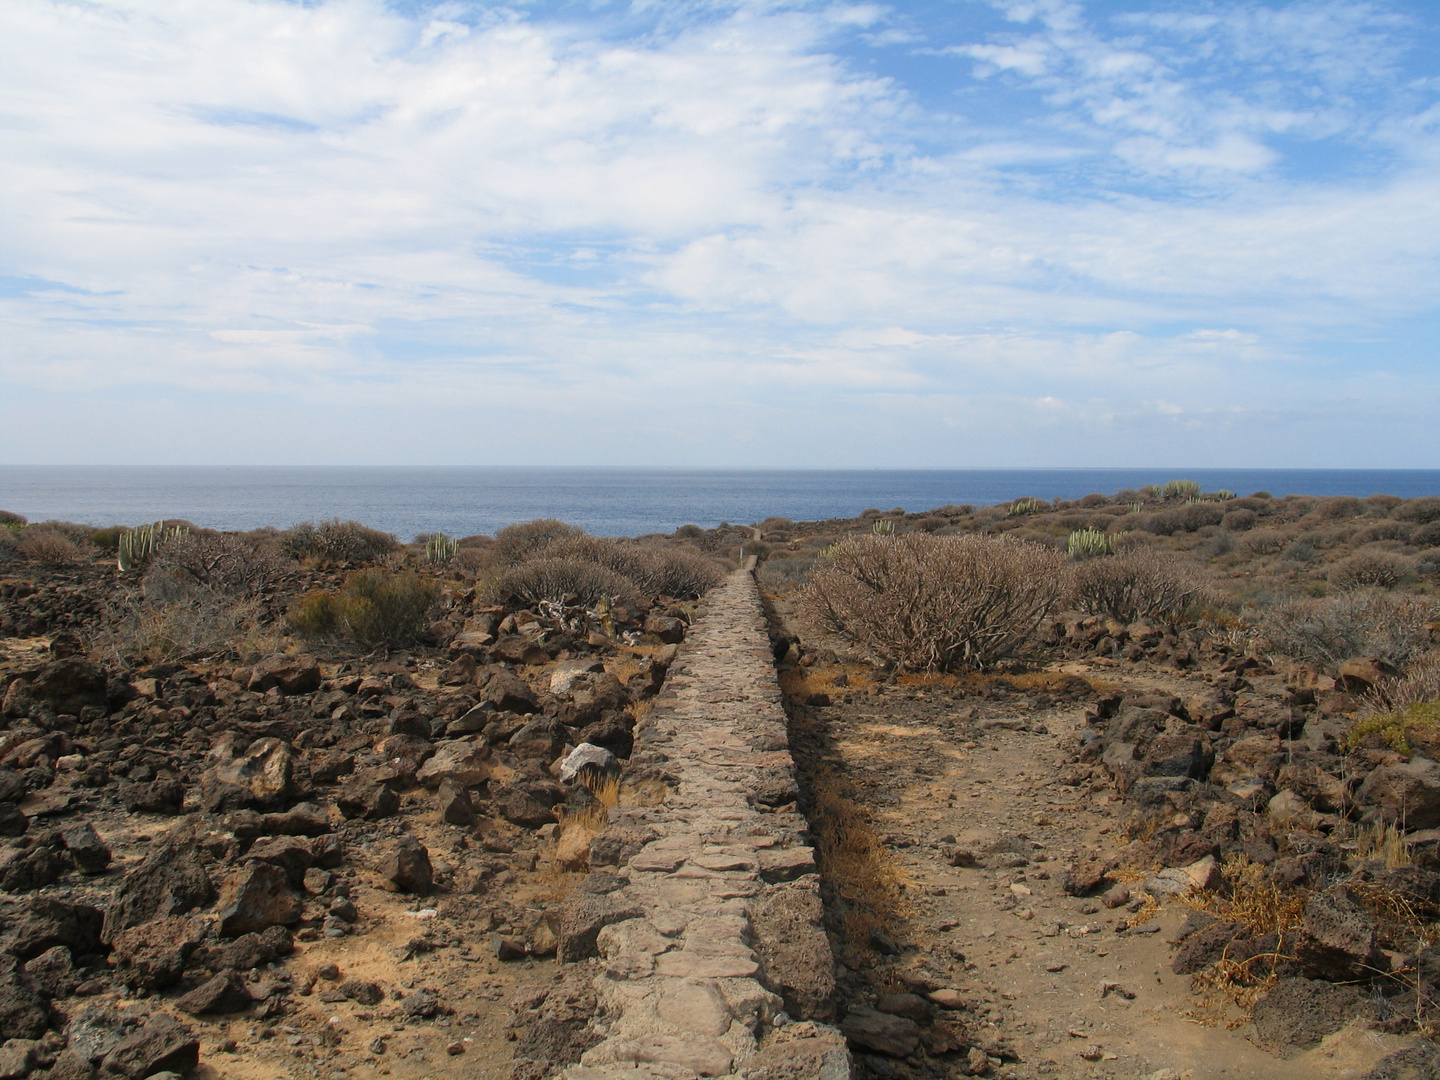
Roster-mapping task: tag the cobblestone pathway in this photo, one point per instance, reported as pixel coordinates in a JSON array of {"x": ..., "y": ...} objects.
[{"x": 703, "y": 912}]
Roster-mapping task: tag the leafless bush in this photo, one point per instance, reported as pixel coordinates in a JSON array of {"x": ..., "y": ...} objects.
[
  {"x": 337, "y": 541},
  {"x": 1184, "y": 519},
  {"x": 202, "y": 623},
  {"x": 42, "y": 544},
  {"x": 1138, "y": 584},
  {"x": 1386, "y": 529},
  {"x": 1422, "y": 510},
  {"x": 1419, "y": 684},
  {"x": 936, "y": 602},
  {"x": 1266, "y": 541},
  {"x": 1370, "y": 569},
  {"x": 777, "y": 573},
  {"x": 678, "y": 571},
  {"x": 222, "y": 563},
  {"x": 515, "y": 543},
  {"x": 1362, "y": 623},
  {"x": 555, "y": 579},
  {"x": 1240, "y": 520}
]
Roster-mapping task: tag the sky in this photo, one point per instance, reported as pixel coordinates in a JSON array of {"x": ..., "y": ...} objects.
[{"x": 730, "y": 233}]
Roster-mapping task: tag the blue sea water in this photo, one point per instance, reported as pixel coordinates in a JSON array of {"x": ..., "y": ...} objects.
[{"x": 606, "y": 502}]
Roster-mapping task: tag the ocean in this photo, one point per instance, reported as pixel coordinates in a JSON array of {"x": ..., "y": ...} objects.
[{"x": 605, "y": 502}]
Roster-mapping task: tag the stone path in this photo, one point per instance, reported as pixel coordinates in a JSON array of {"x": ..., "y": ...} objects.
[{"x": 702, "y": 913}]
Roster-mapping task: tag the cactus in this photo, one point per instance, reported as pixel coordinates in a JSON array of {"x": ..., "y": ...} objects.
[
  {"x": 1026, "y": 506},
  {"x": 440, "y": 549},
  {"x": 883, "y": 527},
  {"x": 1088, "y": 544},
  {"x": 1180, "y": 489},
  {"x": 1223, "y": 495},
  {"x": 138, "y": 546}
]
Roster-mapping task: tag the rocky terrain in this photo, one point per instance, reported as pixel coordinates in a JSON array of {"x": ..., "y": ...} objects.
[{"x": 319, "y": 804}]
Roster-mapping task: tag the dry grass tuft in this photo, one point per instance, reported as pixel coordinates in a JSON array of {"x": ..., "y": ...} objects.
[{"x": 867, "y": 881}]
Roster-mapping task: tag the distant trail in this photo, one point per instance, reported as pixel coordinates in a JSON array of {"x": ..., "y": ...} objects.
[{"x": 711, "y": 931}]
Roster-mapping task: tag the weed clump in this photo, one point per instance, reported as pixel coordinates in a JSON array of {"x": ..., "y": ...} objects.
[
  {"x": 559, "y": 579},
  {"x": 1361, "y": 623}
]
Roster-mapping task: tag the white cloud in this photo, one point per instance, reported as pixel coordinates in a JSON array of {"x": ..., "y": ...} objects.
[{"x": 354, "y": 210}]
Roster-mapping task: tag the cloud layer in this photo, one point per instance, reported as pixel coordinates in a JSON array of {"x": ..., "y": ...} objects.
[{"x": 747, "y": 233}]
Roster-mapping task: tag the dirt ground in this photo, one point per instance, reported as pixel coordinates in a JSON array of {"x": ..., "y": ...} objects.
[{"x": 938, "y": 774}]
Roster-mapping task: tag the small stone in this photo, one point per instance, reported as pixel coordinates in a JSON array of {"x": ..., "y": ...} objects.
[
  {"x": 408, "y": 869},
  {"x": 362, "y": 992},
  {"x": 455, "y": 1049},
  {"x": 1116, "y": 896},
  {"x": 506, "y": 948}
]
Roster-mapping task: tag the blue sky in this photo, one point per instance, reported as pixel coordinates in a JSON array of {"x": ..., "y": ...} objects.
[{"x": 955, "y": 233}]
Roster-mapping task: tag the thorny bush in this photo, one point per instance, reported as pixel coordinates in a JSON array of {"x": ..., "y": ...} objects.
[
  {"x": 373, "y": 607},
  {"x": 222, "y": 563},
  {"x": 1361, "y": 623},
  {"x": 936, "y": 602},
  {"x": 1139, "y": 583},
  {"x": 337, "y": 541}
]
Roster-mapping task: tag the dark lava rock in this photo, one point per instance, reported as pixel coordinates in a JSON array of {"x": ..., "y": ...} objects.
[
  {"x": 262, "y": 778},
  {"x": 22, "y": 1012},
  {"x": 225, "y": 993},
  {"x": 255, "y": 897},
  {"x": 510, "y": 693},
  {"x": 408, "y": 869},
  {"x": 52, "y": 973},
  {"x": 70, "y": 685},
  {"x": 455, "y": 805},
  {"x": 871, "y": 1029},
  {"x": 94, "y": 1032},
  {"x": 1337, "y": 936},
  {"x": 170, "y": 881},
  {"x": 153, "y": 955},
  {"x": 521, "y": 808},
  {"x": 44, "y": 923},
  {"x": 292, "y": 854},
  {"x": 163, "y": 796},
  {"x": 1298, "y": 1013},
  {"x": 290, "y": 674},
  {"x": 362, "y": 992},
  {"x": 248, "y": 951},
  {"x": 368, "y": 799},
  {"x": 87, "y": 850},
  {"x": 161, "y": 1045},
  {"x": 583, "y": 916},
  {"x": 28, "y": 869}
]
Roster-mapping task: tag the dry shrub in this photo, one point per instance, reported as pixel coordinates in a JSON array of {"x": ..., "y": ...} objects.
[
  {"x": 556, "y": 579},
  {"x": 42, "y": 544},
  {"x": 935, "y": 602},
  {"x": 374, "y": 607},
  {"x": 654, "y": 569},
  {"x": 1266, "y": 541},
  {"x": 1387, "y": 530},
  {"x": 1370, "y": 570},
  {"x": 1184, "y": 519},
  {"x": 1335, "y": 628},
  {"x": 516, "y": 543},
  {"x": 1240, "y": 520},
  {"x": 337, "y": 541},
  {"x": 222, "y": 563},
  {"x": 199, "y": 624},
  {"x": 1422, "y": 510},
  {"x": 1263, "y": 907},
  {"x": 1138, "y": 584},
  {"x": 8, "y": 518}
]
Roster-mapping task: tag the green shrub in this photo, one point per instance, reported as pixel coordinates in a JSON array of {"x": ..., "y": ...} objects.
[
  {"x": 1139, "y": 584},
  {"x": 1179, "y": 489},
  {"x": 374, "y": 607},
  {"x": 7, "y": 518},
  {"x": 935, "y": 602},
  {"x": 337, "y": 541},
  {"x": 107, "y": 539}
]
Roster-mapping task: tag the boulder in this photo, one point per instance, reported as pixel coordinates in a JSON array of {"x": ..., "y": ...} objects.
[
  {"x": 587, "y": 757},
  {"x": 583, "y": 916},
  {"x": 368, "y": 799},
  {"x": 22, "y": 1012},
  {"x": 884, "y": 1033},
  {"x": 510, "y": 693},
  {"x": 1296, "y": 1014},
  {"x": 52, "y": 973},
  {"x": 1408, "y": 793},
  {"x": 43, "y": 923},
  {"x": 261, "y": 778},
  {"x": 455, "y": 805},
  {"x": 1258, "y": 756},
  {"x": 668, "y": 630},
  {"x": 170, "y": 881},
  {"x": 1337, "y": 936},
  {"x": 408, "y": 869},
  {"x": 521, "y": 808},
  {"x": 224, "y": 993},
  {"x": 254, "y": 897},
  {"x": 1363, "y": 673},
  {"x": 406, "y": 752},
  {"x": 152, "y": 956},
  {"x": 541, "y": 740},
  {"x": 162, "y": 1045},
  {"x": 565, "y": 674},
  {"x": 292, "y": 854},
  {"x": 289, "y": 674},
  {"x": 460, "y": 761},
  {"x": 94, "y": 1032},
  {"x": 70, "y": 685},
  {"x": 88, "y": 851}
]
